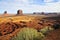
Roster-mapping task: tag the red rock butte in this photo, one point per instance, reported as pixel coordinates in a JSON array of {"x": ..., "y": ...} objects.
[
  {"x": 19, "y": 12},
  {"x": 5, "y": 13}
]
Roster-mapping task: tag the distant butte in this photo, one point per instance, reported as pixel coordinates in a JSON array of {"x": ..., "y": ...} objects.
[
  {"x": 5, "y": 13},
  {"x": 19, "y": 12}
]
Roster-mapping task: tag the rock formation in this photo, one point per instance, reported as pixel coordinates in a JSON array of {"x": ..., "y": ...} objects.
[
  {"x": 5, "y": 13},
  {"x": 42, "y": 13},
  {"x": 19, "y": 12}
]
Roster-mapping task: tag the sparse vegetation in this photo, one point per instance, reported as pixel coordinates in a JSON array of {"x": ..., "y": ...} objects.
[
  {"x": 46, "y": 29},
  {"x": 31, "y": 27},
  {"x": 28, "y": 34},
  {"x": 56, "y": 26}
]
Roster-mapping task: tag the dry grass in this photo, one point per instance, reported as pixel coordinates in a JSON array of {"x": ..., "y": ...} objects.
[{"x": 33, "y": 21}]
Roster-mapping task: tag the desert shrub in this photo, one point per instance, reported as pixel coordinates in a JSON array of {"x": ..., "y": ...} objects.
[
  {"x": 28, "y": 34},
  {"x": 56, "y": 26},
  {"x": 46, "y": 29}
]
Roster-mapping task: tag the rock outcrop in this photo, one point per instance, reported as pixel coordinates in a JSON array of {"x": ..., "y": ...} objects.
[
  {"x": 5, "y": 13},
  {"x": 19, "y": 12}
]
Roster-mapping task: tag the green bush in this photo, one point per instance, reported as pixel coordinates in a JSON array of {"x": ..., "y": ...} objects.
[
  {"x": 46, "y": 29},
  {"x": 28, "y": 34}
]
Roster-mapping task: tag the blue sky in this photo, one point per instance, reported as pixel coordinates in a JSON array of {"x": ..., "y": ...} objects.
[{"x": 29, "y": 6}]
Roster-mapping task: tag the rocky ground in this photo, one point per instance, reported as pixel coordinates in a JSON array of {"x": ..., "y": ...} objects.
[
  {"x": 10, "y": 27},
  {"x": 53, "y": 35}
]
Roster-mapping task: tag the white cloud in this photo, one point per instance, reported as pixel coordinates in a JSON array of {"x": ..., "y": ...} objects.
[
  {"x": 48, "y": 0},
  {"x": 28, "y": 8},
  {"x": 22, "y": 1},
  {"x": 25, "y": 0},
  {"x": 48, "y": 7}
]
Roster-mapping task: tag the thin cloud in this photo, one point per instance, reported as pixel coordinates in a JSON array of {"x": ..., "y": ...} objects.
[
  {"x": 25, "y": 5},
  {"x": 48, "y": 0}
]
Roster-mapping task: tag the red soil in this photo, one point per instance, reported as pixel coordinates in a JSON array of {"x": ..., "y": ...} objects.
[
  {"x": 10, "y": 29},
  {"x": 53, "y": 35}
]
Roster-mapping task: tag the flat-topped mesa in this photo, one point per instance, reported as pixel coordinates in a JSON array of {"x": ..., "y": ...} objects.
[
  {"x": 5, "y": 13},
  {"x": 19, "y": 12}
]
